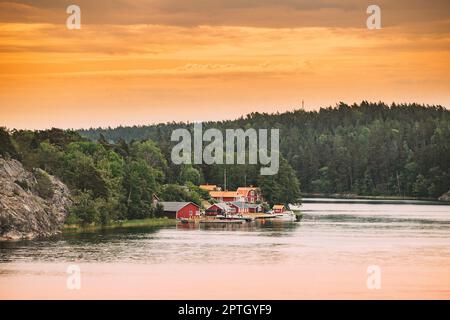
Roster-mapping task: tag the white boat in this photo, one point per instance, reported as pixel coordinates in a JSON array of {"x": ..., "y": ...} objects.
[
  {"x": 285, "y": 216},
  {"x": 295, "y": 207}
]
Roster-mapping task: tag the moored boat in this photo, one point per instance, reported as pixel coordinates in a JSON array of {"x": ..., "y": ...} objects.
[
  {"x": 186, "y": 220},
  {"x": 285, "y": 216},
  {"x": 296, "y": 208}
]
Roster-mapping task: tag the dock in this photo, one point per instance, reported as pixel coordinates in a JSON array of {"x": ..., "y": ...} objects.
[
  {"x": 224, "y": 221},
  {"x": 259, "y": 216}
]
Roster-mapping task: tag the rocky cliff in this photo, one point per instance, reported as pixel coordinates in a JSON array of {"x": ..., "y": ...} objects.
[{"x": 32, "y": 204}]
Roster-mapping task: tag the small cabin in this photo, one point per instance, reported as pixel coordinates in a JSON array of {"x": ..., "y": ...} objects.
[
  {"x": 180, "y": 210},
  {"x": 279, "y": 208},
  {"x": 254, "y": 208},
  {"x": 239, "y": 206}
]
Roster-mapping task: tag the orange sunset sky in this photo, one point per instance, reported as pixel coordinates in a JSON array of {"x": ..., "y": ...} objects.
[{"x": 141, "y": 62}]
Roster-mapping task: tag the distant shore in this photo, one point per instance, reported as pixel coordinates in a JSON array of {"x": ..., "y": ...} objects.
[{"x": 355, "y": 196}]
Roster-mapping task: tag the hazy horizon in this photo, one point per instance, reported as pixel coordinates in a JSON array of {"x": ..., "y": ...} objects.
[{"x": 144, "y": 123}]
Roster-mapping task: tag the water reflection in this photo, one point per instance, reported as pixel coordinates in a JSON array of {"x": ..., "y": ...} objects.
[
  {"x": 324, "y": 256},
  {"x": 154, "y": 244},
  {"x": 263, "y": 226},
  {"x": 337, "y": 231}
]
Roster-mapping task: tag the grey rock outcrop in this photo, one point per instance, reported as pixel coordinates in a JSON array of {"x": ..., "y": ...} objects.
[{"x": 32, "y": 204}]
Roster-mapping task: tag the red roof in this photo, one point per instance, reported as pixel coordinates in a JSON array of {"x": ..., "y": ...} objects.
[
  {"x": 224, "y": 194},
  {"x": 243, "y": 191}
]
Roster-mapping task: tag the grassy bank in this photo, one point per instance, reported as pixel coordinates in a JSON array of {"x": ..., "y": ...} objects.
[{"x": 150, "y": 222}]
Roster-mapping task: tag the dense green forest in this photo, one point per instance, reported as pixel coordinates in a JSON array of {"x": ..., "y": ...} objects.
[
  {"x": 365, "y": 149},
  {"x": 113, "y": 181}
]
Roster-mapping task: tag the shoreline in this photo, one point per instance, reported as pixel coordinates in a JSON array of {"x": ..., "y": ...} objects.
[
  {"x": 350, "y": 196},
  {"x": 316, "y": 198},
  {"x": 135, "y": 223}
]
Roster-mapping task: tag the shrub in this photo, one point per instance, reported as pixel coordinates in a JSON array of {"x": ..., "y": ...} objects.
[
  {"x": 44, "y": 186},
  {"x": 84, "y": 209}
]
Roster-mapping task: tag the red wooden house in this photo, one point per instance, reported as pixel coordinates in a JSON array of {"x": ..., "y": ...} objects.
[
  {"x": 226, "y": 196},
  {"x": 250, "y": 194},
  {"x": 254, "y": 208},
  {"x": 179, "y": 210},
  {"x": 239, "y": 207},
  {"x": 218, "y": 209}
]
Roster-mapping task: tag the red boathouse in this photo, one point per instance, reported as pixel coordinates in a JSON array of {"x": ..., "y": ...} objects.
[
  {"x": 279, "y": 208},
  {"x": 179, "y": 210}
]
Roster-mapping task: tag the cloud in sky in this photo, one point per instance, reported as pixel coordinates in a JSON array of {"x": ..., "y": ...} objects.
[
  {"x": 256, "y": 13},
  {"x": 136, "y": 62}
]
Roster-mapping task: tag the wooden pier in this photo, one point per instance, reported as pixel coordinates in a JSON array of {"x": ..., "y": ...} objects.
[{"x": 222, "y": 221}]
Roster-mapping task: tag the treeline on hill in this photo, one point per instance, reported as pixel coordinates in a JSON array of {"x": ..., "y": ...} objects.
[
  {"x": 113, "y": 181},
  {"x": 366, "y": 149}
]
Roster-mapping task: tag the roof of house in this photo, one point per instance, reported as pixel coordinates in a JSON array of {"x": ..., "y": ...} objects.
[
  {"x": 245, "y": 190},
  {"x": 175, "y": 206},
  {"x": 278, "y": 206},
  {"x": 223, "y": 194},
  {"x": 240, "y": 204},
  {"x": 206, "y": 204},
  {"x": 221, "y": 205},
  {"x": 209, "y": 187}
]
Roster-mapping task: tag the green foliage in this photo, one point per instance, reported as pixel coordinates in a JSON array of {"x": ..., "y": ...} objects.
[
  {"x": 43, "y": 186},
  {"x": 81, "y": 173},
  {"x": 87, "y": 210},
  {"x": 159, "y": 210},
  {"x": 7, "y": 148},
  {"x": 140, "y": 185},
  {"x": 420, "y": 186},
  {"x": 190, "y": 175},
  {"x": 203, "y": 194},
  {"x": 367, "y": 149},
  {"x": 150, "y": 153},
  {"x": 48, "y": 157},
  {"x": 84, "y": 210},
  {"x": 282, "y": 188},
  {"x": 109, "y": 181},
  {"x": 174, "y": 192}
]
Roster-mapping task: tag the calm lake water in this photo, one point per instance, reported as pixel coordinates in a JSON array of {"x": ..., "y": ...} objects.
[{"x": 326, "y": 255}]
